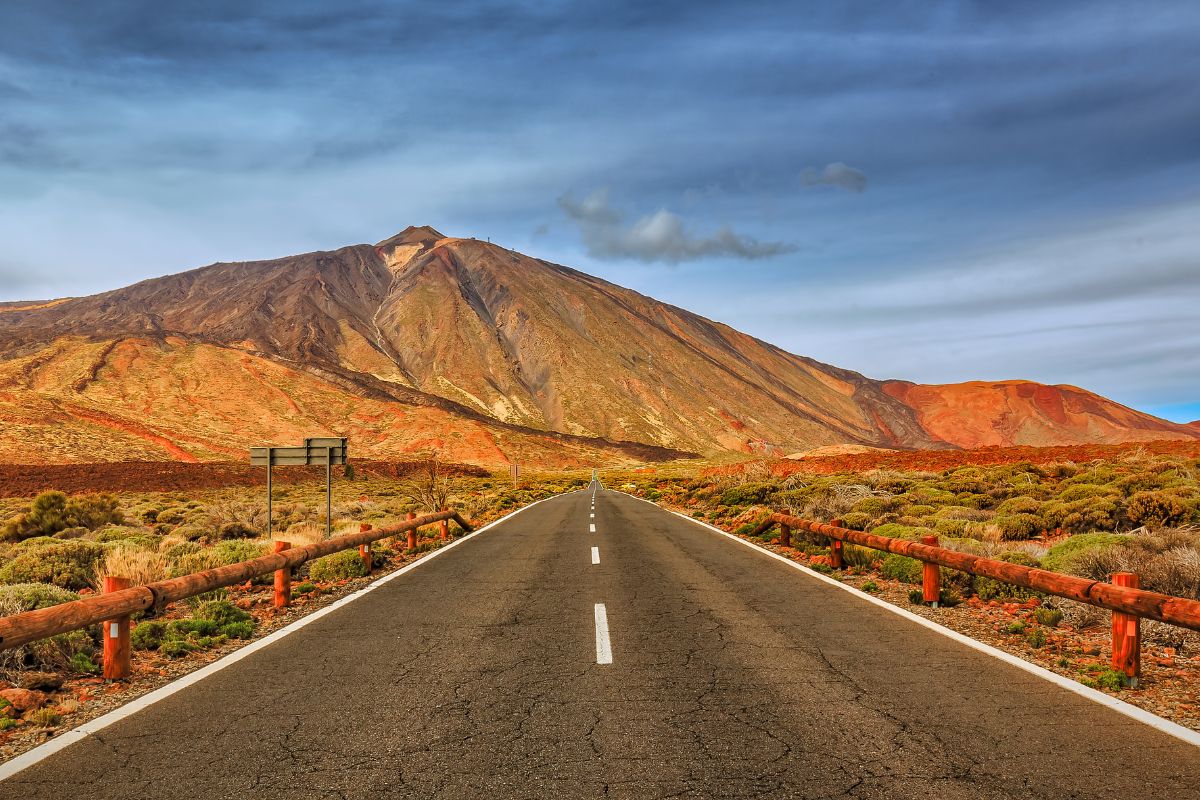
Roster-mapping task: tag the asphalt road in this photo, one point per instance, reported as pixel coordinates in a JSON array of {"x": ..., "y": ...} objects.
[{"x": 476, "y": 676}]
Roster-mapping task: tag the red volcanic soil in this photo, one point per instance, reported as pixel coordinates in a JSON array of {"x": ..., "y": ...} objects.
[
  {"x": 20, "y": 480},
  {"x": 941, "y": 460}
]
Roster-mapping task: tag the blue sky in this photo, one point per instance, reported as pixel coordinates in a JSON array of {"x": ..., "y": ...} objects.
[{"x": 931, "y": 191}]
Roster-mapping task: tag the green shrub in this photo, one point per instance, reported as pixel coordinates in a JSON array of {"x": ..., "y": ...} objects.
[
  {"x": 305, "y": 588},
  {"x": 190, "y": 532},
  {"x": 1157, "y": 509},
  {"x": 1036, "y": 639},
  {"x": 1086, "y": 491},
  {"x": 18, "y": 597},
  {"x": 51, "y": 654},
  {"x": 901, "y": 568},
  {"x": 748, "y": 494},
  {"x": 856, "y": 520},
  {"x": 338, "y": 566},
  {"x": 910, "y": 532},
  {"x": 237, "y": 550},
  {"x": 1050, "y": 617},
  {"x": 1019, "y": 505},
  {"x": 1111, "y": 679},
  {"x": 43, "y": 718},
  {"x": 196, "y": 561},
  {"x": 870, "y": 587},
  {"x": 84, "y": 664},
  {"x": 916, "y": 597},
  {"x": 1017, "y": 526},
  {"x": 70, "y": 565},
  {"x": 1063, "y": 557},
  {"x": 148, "y": 635},
  {"x": 236, "y": 530},
  {"x": 177, "y": 551},
  {"x": 223, "y": 613},
  {"x": 861, "y": 557},
  {"x": 8, "y": 723},
  {"x": 177, "y": 648},
  {"x": 1015, "y": 627}
]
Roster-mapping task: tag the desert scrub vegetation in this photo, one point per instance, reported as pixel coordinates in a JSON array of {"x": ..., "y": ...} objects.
[
  {"x": 214, "y": 623},
  {"x": 74, "y": 651},
  {"x": 1135, "y": 511}
]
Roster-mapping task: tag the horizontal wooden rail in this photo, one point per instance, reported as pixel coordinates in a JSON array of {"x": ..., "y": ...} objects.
[
  {"x": 1167, "y": 608},
  {"x": 30, "y": 626}
]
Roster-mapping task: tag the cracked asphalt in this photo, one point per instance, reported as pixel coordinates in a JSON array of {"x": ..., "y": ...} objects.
[{"x": 474, "y": 676}]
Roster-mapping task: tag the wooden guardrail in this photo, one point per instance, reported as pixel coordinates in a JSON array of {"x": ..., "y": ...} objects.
[
  {"x": 1128, "y": 603},
  {"x": 114, "y": 607}
]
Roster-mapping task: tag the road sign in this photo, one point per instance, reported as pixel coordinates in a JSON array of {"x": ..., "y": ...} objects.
[{"x": 316, "y": 451}]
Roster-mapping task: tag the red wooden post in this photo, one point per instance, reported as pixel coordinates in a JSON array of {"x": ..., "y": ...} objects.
[
  {"x": 785, "y": 535},
  {"x": 412, "y": 535},
  {"x": 445, "y": 528},
  {"x": 117, "y": 650},
  {"x": 836, "y": 559},
  {"x": 283, "y": 580},
  {"x": 1127, "y": 634},
  {"x": 364, "y": 550},
  {"x": 931, "y": 577}
]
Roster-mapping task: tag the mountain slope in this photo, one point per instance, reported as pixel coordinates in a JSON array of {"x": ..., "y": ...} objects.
[{"x": 461, "y": 336}]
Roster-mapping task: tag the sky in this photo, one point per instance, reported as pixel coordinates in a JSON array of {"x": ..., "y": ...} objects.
[{"x": 938, "y": 192}]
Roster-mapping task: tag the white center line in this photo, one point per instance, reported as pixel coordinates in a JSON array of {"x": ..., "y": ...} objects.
[
  {"x": 595, "y": 555},
  {"x": 592, "y": 528},
  {"x": 603, "y": 645},
  {"x": 593, "y": 516}
]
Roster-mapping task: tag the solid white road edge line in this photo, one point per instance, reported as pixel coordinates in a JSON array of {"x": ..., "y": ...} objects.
[
  {"x": 64, "y": 740},
  {"x": 603, "y": 645},
  {"x": 595, "y": 555},
  {"x": 1120, "y": 706}
]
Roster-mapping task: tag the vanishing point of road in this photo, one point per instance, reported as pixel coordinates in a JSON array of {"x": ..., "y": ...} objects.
[{"x": 596, "y": 646}]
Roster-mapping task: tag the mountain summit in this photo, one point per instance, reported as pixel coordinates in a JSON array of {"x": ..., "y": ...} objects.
[{"x": 426, "y": 341}]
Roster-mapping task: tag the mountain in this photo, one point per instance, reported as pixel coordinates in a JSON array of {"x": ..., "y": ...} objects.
[{"x": 430, "y": 342}]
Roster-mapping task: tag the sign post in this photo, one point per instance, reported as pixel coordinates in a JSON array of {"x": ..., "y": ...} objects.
[{"x": 315, "y": 451}]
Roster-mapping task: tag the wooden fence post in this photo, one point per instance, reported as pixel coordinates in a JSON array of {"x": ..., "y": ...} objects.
[
  {"x": 445, "y": 527},
  {"x": 412, "y": 535},
  {"x": 1127, "y": 634},
  {"x": 117, "y": 649},
  {"x": 836, "y": 558},
  {"x": 283, "y": 580},
  {"x": 364, "y": 550},
  {"x": 785, "y": 535},
  {"x": 931, "y": 576}
]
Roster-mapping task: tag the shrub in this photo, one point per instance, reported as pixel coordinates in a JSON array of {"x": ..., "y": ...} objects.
[
  {"x": 870, "y": 587},
  {"x": 861, "y": 557},
  {"x": 1015, "y": 627},
  {"x": 1017, "y": 526},
  {"x": 57, "y": 652},
  {"x": 1064, "y": 556},
  {"x": 1156, "y": 509},
  {"x": 338, "y": 566},
  {"x": 1019, "y": 505},
  {"x": 1085, "y": 491},
  {"x": 916, "y": 597},
  {"x": 236, "y": 530},
  {"x": 235, "y": 550},
  {"x": 896, "y": 531},
  {"x": 748, "y": 494},
  {"x": 70, "y": 565},
  {"x": 177, "y": 551},
  {"x": 1050, "y": 617},
  {"x": 1111, "y": 679},
  {"x": 189, "y": 563},
  {"x": 901, "y": 568},
  {"x": 92, "y": 511},
  {"x": 305, "y": 588},
  {"x": 43, "y": 718},
  {"x": 1037, "y": 638},
  {"x": 148, "y": 635}
]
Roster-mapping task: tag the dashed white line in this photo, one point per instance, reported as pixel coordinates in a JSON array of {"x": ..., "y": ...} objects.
[
  {"x": 592, "y": 528},
  {"x": 603, "y": 645},
  {"x": 593, "y": 516},
  {"x": 595, "y": 555}
]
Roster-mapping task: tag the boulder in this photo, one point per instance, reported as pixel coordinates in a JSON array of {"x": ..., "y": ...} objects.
[{"x": 24, "y": 699}]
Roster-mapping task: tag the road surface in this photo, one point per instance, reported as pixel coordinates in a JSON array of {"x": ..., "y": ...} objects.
[{"x": 482, "y": 674}]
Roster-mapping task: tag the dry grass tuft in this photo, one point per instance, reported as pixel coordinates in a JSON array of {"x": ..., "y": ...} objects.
[{"x": 140, "y": 566}]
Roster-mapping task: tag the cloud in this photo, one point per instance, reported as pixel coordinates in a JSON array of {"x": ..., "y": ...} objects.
[
  {"x": 836, "y": 174},
  {"x": 660, "y": 236}
]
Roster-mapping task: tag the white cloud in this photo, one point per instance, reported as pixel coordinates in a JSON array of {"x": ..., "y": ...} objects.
[
  {"x": 836, "y": 174},
  {"x": 661, "y": 236}
]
